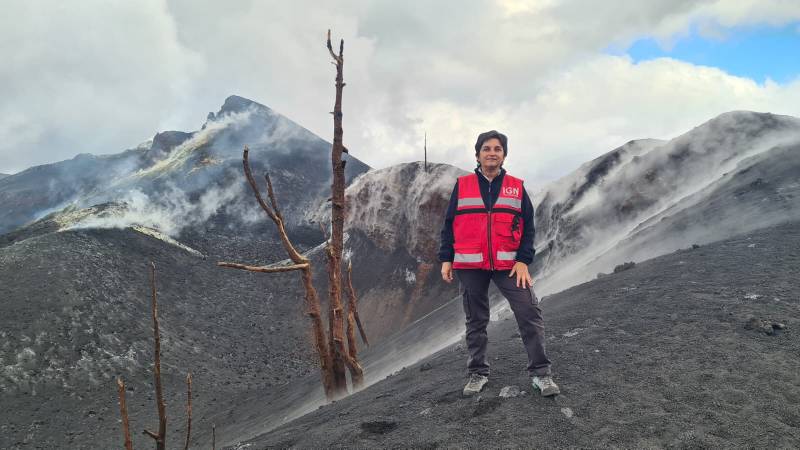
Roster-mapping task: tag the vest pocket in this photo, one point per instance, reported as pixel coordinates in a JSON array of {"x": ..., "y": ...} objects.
[
  {"x": 469, "y": 229},
  {"x": 508, "y": 226}
]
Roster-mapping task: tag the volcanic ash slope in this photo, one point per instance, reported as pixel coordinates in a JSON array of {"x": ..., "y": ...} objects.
[
  {"x": 659, "y": 355},
  {"x": 76, "y": 314}
]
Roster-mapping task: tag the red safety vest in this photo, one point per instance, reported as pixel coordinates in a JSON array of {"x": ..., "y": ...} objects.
[{"x": 487, "y": 238}]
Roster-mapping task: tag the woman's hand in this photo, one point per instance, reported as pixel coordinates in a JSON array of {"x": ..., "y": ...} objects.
[
  {"x": 447, "y": 272},
  {"x": 524, "y": 279}
]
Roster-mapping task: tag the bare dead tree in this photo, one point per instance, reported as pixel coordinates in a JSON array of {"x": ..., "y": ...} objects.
[
  {"x": 213, "y": 436},
  {"x": 161, "y": 436},
  {"x": 341, "y": 356},
  {"x": 123, "y": 411},
  {"x": 334, "y": 249},
  {"x": 302, "y": 264},
  {"x": 188, "y": 409},
  {"x": 335, "y": 357}
]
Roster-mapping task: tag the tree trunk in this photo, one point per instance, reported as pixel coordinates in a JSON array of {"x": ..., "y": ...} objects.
[{"x": 335, "y": 311}]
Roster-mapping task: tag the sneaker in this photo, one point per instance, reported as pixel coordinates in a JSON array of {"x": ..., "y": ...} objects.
[
  {"x": 546, "y": 385},
  {"x": 475, "y": 384}
]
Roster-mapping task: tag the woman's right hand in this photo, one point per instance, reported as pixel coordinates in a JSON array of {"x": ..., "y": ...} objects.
[{"x": 447, "y": 272}]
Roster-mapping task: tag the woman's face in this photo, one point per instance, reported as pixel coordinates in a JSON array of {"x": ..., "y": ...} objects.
[{"x": 491, "y": 154}]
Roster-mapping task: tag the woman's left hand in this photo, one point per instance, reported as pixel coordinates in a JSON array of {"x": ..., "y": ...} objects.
[{"x": 524, "y": 279}]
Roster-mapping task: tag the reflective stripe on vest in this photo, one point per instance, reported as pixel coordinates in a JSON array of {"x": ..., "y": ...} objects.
[
  {"x": 468, "y": 257},
  {"x": 470, "y": 201},
  {"x": 506, "y": 256},
  {"x": 506, "y": 201}
]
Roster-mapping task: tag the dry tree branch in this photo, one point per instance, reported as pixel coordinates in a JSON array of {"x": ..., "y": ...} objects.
[
  {"x": 300, "y": 263},
  {"x": 188, "y": 409},
  {"x": 356, "y": 371},
  {"x": 276, "y": 216},
  {"x": 330, "y": 48},
  {"x": 264, "y": 269},
  {"x": 249, "y": 175},
  {"x": 123, "y": 410},
  {"x": 352, "y": 307},
  {"x": 271, "y": 194},
  {"x": 160, "y": 438},
  {"x": 150, "y": 433}
]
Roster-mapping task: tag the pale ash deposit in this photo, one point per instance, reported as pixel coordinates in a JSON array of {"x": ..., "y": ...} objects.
[
  {"x": 610, "y": 209},
  {"x": 399, "y": 205}
]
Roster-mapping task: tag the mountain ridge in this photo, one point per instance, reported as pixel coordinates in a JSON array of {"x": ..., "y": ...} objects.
[
  {"x": 197, "y": 196},
  {"x": 585, "y": 214},
  {"x": 189, "y": 161}
]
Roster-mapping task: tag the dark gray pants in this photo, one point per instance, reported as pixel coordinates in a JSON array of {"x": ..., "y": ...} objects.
[{"x": 526, "y": 310}]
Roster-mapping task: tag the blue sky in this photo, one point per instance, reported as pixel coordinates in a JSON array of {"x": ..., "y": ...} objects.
[{"x": 757, "y": 53}]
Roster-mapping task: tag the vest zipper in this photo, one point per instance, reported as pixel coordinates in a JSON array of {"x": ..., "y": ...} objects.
[{"x": 489, "y": 227}]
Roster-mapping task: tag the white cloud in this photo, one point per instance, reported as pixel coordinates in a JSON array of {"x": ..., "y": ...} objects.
[
  {"x": 102, "y": 78},
  {"x": 84, "y": 77},
  {"x": 594, "y": 107}
]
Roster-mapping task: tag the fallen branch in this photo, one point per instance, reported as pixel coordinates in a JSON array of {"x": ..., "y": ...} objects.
[{"x": 264, "y": 269}]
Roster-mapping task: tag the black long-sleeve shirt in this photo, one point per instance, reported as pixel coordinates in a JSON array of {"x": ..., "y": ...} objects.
[{"x": 524, "y": 253}]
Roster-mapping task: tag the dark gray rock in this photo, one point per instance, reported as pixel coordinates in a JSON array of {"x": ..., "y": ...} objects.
[
  {"x": 624, "y": 266},
  {"x": 379, "y": 426}
]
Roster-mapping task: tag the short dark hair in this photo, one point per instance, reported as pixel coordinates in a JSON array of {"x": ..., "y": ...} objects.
[{"x": 483, "y": 137}]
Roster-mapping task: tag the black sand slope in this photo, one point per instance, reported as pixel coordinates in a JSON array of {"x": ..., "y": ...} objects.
[
  {"x": 660, "y": 355},
  {"x": 75, "y": 309}
]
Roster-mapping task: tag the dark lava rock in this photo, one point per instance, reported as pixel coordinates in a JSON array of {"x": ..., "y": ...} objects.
[
  {"x": 425, "y": 366},
  {"x": 752, "y": 323},
  {"x": 379, "y": 426},
  {"x": 695, "y": 246},
  {"x": 768, "y": 327},
  {"x": 624, "y": 266}
]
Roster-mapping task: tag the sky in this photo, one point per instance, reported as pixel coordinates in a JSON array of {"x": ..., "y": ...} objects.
[{"x": 564, "y": 80}]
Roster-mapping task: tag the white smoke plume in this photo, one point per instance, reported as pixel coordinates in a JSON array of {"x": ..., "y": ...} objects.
[{"x": 169, "y": 211}]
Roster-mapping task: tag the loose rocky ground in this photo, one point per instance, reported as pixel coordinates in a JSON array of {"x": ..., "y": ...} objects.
[
  {"x": 664, "y": 354},
  {"x": 75, "y": 309}
]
